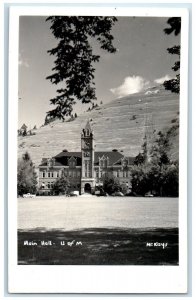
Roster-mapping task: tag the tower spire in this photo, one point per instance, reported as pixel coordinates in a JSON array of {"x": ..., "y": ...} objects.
[{"x": 87, "y": 131}]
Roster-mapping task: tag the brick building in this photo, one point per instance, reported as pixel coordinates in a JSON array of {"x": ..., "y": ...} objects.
[{"x": 85, "y": 169}]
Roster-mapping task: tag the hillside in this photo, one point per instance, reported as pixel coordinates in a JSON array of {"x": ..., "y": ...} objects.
[{"x": 120, "y": 124}]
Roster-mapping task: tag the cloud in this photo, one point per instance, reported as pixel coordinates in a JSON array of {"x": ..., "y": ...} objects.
[
  {"x": 131, "y": 85},
  {"x": 162, "y": 79},
  {"x": 152, "y": 92}
]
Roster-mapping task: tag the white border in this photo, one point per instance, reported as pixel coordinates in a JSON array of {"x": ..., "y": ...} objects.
[{"x": 94, "y": 279}]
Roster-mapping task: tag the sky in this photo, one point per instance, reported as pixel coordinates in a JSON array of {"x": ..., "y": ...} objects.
[{"x": 141, "y": 61}]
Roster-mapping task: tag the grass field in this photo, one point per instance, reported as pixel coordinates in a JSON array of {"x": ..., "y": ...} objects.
[
  {"x": 98, "y": 231},
  {"x": 100, "y": 246}
]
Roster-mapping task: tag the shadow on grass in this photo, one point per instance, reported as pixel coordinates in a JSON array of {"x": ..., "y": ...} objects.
[{"x": 98, "y": 246}]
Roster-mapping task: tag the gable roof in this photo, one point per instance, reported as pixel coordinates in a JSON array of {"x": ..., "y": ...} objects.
[
  {"x": 113, "y": 156},
  {"x": 62, "y": 159},
  {"x": 69, "y": 154},
  {"x": 56, "y": 163}
]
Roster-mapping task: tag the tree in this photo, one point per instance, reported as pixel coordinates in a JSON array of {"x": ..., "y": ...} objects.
[
  {"x": 26, "y": 175},
  {"x": 173, "y": 85},
  {"x": 75, "y": 58},
  {"x": 158, "y": 174},
  {"x": 170, "y": 184},
  {"x": 141, "y": 158},
  {"x": 111, "y": 184},
  {"x": 139, "y": 180},
  {"x": 61, "y": 185}
]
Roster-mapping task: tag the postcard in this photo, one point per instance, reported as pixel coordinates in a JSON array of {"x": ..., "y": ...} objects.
[{"x": 97, "y": 150}]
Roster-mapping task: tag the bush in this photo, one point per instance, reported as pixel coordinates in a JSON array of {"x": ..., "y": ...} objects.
[
  {"x": 111, "y": 184},
  {"x": 61, "y": 185}
]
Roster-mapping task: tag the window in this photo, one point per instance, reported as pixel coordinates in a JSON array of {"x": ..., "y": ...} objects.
[
  {"x": 104, "y": 162},
  {"x": 44, "y": 174},
  {"x": 72, "y": 162},
  {"x": 52, "y": 174},
  {"x": 48, "y": 174},
  {"x": 87, "y": 168},
  {"x": 57, "y": 174},
  {"x": 101, "y": 163}
]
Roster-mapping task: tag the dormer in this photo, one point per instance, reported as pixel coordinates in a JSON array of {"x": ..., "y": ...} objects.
[
  {"x": 124, "y": 163},
  {"x": 103, "y": 161},
  {"x": 50, "y": 162},
  {"x": 72, "y": 162}
]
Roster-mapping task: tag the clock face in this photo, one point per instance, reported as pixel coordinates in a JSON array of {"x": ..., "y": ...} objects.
[
  {"x": 87, "y": 144},
  {"x": 87, "y": 154}
]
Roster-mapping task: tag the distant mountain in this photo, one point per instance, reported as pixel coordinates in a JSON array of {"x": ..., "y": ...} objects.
[{"x": 120, "y": 124}]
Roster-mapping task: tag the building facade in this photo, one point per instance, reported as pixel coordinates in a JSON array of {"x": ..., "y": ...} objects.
[{"x": 85, "y": 169}]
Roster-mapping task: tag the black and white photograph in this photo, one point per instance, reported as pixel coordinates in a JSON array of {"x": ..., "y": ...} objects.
[{"x": 98, "y": 125}]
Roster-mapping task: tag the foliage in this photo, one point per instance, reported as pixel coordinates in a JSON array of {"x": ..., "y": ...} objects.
[
  {"x": 111, "y": 184},
  {"x": 173, "y": 85},
  {"x": 158, "y": 174},
  {"x": 124, "y": 188},
  {"x": 75, "y": 58},
  {"x": 61, "y": 185},
  {"x": 141, "y": 158},
  {"x": 139, "y": 181},
  {"x": 26, "y": 175},
  {"x": 159, "y": 149}
]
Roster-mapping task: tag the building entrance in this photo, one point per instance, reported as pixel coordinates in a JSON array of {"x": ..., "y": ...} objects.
[{"x": 87, "y": 188}]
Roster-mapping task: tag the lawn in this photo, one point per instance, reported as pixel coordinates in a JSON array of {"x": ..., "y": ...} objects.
[
  {"x": 98, "y": 231},
  {"x": 100, "y": 246}
]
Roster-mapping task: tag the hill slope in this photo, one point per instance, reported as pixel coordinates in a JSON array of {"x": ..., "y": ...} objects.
[{"x": 120, "y": 124}]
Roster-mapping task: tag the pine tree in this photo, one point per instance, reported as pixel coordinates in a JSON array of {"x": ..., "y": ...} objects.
[
  {"x": 75, "y": 58},
  {"x": 26, "y": 175}
]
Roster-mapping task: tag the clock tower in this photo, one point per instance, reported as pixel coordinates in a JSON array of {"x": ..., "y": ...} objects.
[{"x": 87, "y": 148}]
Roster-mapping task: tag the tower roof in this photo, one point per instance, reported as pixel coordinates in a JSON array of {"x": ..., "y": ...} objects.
[
  {"x": 88, "y": 126},
  {"x": 87, "y": 131}
]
